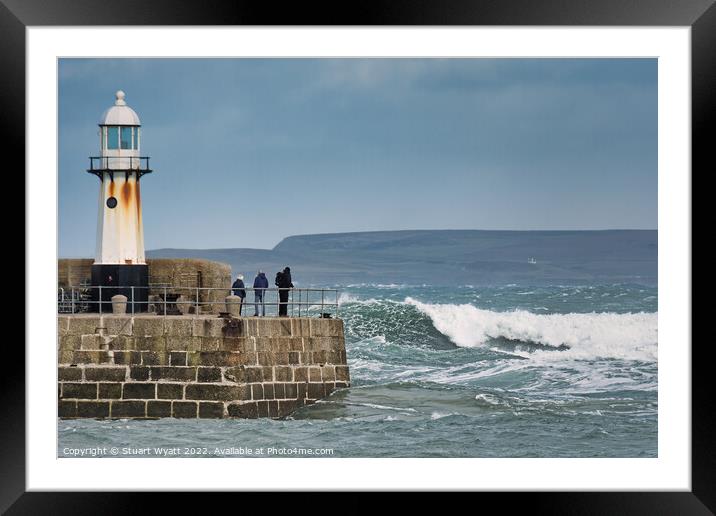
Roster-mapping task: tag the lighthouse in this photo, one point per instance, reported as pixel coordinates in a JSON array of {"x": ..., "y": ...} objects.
[{"x": 119, "y": 266}]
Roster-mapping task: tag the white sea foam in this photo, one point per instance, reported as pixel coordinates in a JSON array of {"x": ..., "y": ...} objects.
[
  {"x": 346, "y": 297},
  {"x": 381, "y": 407},
  {"x": 440, "y": 415},
  {"x": 489, "y": 399},
  {"x": 589, "y": 335},
  {"x": 380, "y": 285}
]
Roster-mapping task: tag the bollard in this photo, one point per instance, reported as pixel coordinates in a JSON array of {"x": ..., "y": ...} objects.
[
  {"x": 233, "y": 305},
  {"x": 119, "y": 304},
  {"x": 183, "y": 304}
]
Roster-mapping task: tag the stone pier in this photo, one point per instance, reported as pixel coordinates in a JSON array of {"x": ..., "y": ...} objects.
[{"x": 205, "y": 366}]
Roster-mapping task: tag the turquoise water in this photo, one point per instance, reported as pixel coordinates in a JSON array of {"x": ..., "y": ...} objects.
[{"x": 509, "y": 371}]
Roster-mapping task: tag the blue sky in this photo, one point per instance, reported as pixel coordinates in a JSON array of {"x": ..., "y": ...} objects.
[{"x": 249, "y": 151}]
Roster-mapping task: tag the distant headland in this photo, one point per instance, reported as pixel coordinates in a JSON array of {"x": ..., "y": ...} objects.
[{"x": 451, "y": 257}]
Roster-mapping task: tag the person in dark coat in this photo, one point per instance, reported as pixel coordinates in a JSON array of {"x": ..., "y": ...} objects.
[
  {"x": 283, "y": 282},
  {"x": 278, "y": 281},
  {"x": 239, "y": 289},
  {"x": 260, "y": 286}
]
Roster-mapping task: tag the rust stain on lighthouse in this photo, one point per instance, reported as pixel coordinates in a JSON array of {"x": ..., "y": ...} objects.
[
  {"x": 126, "y": 209},
  {"x": 138, "y": 198},
  {"x": 126, "y": 192}
]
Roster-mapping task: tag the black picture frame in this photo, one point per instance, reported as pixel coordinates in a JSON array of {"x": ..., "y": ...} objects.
[{"x": 700, "y": 15}]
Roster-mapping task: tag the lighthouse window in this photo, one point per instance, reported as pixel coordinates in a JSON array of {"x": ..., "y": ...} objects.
[
  {"x": 126, "y": 139},
  {"x": 111, "y": 202},
  {"x": 136, "y": 138},
  {"x": 113, "y": 137}
]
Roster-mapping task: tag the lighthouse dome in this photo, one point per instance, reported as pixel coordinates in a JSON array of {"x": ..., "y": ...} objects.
[{"x": 120, "y": 113}]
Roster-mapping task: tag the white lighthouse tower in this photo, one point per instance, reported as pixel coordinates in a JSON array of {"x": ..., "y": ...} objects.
[{"x": 119, "y": 258}]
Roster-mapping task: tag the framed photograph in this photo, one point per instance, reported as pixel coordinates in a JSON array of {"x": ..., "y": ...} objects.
[{"x": 421, "y": 248}]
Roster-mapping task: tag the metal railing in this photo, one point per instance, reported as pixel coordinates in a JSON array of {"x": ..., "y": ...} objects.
[
  {"x": 168, "y": 300},
  {"x": 118, "y": 163}
]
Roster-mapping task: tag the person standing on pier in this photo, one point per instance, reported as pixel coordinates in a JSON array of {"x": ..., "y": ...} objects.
[
  {"x": 260, "y": 285},
  {"x": 283, "y": 282},
  {"x": 239, "y": 289}
]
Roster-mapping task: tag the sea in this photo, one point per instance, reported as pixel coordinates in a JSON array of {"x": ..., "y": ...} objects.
[{"x": 463, "y": 371}]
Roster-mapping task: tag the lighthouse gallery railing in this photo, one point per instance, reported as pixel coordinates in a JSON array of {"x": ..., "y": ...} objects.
[{"x": 118, "y": 163}]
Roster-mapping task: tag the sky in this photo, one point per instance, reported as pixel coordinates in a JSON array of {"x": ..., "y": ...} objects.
[{"x": 246, "y": 152}]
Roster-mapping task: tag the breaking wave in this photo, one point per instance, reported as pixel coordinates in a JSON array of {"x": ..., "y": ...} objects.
[
  {"x": 583, "y": 335},
  {"x": 346, "y": 298}
]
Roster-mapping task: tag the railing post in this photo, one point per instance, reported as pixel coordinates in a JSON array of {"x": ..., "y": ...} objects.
[
  {"x": 322, "y": 300},
  {"x": 100, "y": 299},
  {"x": 72, "y": 293},
  {"x": 299, "y": 303},
  {"x": 336, "y": 304},
  {"x": 196, "y": 311},
  {"x": 132, "y": 287},
  {"x": 165, "y": 301}
]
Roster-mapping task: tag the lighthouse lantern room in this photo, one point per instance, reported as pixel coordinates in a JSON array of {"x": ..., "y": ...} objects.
[{"x": 119, "y": 266}]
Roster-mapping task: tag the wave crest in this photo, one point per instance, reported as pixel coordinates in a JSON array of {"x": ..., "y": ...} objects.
[{"x": 587, "y": 335}]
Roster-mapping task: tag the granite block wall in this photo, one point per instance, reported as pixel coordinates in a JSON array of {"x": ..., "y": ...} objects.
[{"x": 149, "y": 366}]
